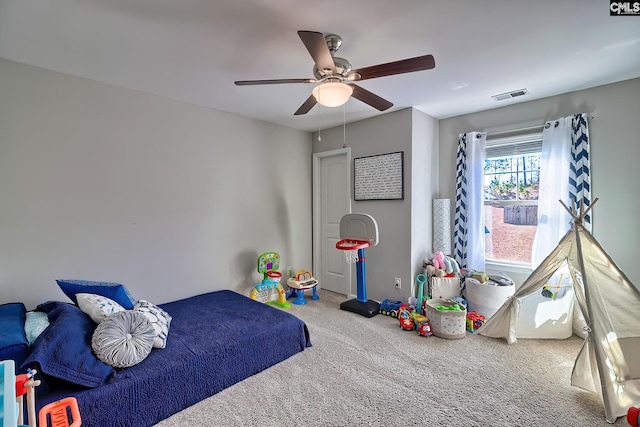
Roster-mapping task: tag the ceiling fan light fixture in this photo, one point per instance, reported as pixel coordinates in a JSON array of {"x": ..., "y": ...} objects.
[{"x": 332, "y": 94}]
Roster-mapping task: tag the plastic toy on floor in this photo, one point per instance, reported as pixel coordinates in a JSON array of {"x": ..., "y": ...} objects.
[
  {"x": 268, "y": 265},
  {"x": 358, "y": 232},
  {"x": 474, "y": 321},
  {"x": 424, "y": 329},
  {"x": 421, "y": 279},
  {"x": 389, "y": 307},
  {"x": 301, "y": 282},
  {"x": 405, "y": 318},
  {"x": 633, "y": 416}
]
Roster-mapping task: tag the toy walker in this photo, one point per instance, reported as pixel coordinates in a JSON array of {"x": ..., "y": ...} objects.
[
  {"x": 268, "y": 264},
  {"x": 358, "y": 232}
]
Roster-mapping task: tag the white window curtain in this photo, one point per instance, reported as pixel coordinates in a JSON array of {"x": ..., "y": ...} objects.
[
  {"x": 564, "y": 175},
  {"x": 468, "y": 235}
]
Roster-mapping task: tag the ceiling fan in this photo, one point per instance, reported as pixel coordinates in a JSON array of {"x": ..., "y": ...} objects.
[{"x": 335, "y": 76}]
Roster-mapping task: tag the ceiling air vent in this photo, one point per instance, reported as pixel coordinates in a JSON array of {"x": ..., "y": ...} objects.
[{"x": 509, "y": 95}]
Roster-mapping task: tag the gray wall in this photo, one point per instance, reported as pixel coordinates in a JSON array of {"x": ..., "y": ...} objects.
[
  {"x": 425, "y": 167},
  {"x": 400, "y": 251},
  {"x": 615, "y": 149},
  {"x": 103, "y": 183}
]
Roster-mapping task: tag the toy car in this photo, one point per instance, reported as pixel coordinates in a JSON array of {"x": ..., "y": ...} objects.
[
  {"x": 389, "y": 307},
  {"x": 404, "y": 316},
  {"x": 424, "y": 329},
  {"x": 419, "y": 318}
]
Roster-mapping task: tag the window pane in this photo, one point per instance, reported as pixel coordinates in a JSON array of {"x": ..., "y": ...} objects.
[
  {"x": 509, "y": 241},
  {"x": 512, "y": 178},
  {"x": 511, "y": 227}
]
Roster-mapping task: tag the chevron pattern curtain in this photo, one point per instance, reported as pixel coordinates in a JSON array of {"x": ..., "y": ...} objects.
[
  {"x": 460, "y": 219},
  {"x": 468, "y": 235},
  {"x": 580, "y": 168}
]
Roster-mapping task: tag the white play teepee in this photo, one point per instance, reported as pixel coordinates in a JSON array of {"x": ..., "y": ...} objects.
[{"x": 609, "y": 361}]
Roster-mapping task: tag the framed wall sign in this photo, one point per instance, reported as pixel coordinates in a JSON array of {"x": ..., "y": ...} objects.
[{"x": 379, "y": 177}]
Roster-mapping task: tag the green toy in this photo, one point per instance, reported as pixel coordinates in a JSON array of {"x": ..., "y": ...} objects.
[{"x": 268, "y": 264}]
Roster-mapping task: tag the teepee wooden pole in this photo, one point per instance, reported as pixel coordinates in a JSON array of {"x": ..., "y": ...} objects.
[
  {"x": 571, "y": 212},
  {"x": 578, "y": 219}
]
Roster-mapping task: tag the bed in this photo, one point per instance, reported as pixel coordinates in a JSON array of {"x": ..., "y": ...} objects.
[{"x": 215, "y": 340}]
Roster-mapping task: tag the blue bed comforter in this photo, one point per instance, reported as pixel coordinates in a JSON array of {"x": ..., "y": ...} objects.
[{"x": 216, "y": 339}]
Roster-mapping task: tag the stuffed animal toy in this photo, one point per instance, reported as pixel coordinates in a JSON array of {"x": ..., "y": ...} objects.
[
  {"x": 451, "y": 265},
  {"x": 438, "y": 260},
  {"x": 447, "y": 265},
  {"x": 431, "y": 270}
]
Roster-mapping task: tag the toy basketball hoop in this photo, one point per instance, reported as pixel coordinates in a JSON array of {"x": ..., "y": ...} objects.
[
  {"x": 358, "y": 232},
  {"x": 350, "y": 248},
  {"x": 274, "y": 276}
]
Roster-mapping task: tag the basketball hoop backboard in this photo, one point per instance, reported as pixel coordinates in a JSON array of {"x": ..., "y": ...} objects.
[{"x": 359, "y": 227}]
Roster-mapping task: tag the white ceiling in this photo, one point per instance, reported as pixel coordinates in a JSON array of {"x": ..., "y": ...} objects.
[{"x": 193, "y": 50}]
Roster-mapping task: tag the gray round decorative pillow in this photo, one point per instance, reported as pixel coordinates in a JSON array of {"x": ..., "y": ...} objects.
[{"x": 123, "y": 339}]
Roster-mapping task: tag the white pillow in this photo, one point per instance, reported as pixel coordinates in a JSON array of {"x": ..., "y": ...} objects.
[
  {"x": 97, "y": 306},
  {"x": 159, "y": 318},
  {"x": 123, "y": 339}
]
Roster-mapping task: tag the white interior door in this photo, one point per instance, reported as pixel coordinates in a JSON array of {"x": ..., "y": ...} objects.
[{"x": 332, "y": 200}]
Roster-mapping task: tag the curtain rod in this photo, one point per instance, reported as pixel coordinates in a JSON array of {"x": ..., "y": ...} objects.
[{"x": 502, "y": 132}]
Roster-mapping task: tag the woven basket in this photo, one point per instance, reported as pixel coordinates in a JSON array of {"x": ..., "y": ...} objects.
[{"x": 447, "y": 324}]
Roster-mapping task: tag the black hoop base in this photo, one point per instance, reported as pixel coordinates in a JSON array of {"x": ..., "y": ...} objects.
[{"x": 367, "y": 308}]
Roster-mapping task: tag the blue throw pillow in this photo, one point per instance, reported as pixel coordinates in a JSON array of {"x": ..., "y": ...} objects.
[
  {"x": 114, "y": 291},
  {"x": 63, "y": 350},
  {"x": 13, "y": 341}
]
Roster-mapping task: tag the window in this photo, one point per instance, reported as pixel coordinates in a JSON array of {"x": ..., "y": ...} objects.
[{"x": 511, "y": 181}]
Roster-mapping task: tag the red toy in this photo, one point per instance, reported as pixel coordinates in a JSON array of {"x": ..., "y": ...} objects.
[
  {"x": 424, "y": 329},
  {"x": 404, "y": 315},
  {"x": 633, "y": 416},
  {"x": 474, "y": 321}
]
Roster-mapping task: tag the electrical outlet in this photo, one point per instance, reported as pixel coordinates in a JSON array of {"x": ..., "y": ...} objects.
[{"x": 398, "y": 283}]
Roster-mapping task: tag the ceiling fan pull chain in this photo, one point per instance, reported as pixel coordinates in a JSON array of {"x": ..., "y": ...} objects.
[
  {"x": 319, "y": 138},
  {"x": 344, "y": 127}
]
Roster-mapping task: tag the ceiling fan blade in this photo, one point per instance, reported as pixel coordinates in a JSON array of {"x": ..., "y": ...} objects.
[
  {"x": 403, "y": 66},
  {"x": 317, "y": 47},
  {"x": 370, "y": 98},
  {"x": 272, "y": 82},
  {"x": 308, "y": 105}
]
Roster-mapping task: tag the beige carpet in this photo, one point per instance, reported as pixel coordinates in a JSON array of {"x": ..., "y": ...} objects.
[{"x": 368, "y": 372}]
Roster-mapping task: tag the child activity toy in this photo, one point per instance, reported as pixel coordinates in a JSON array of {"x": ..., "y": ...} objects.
[
  {"x": 268, "y": 265},
  {"x": 15, "y": 389},
  {"x": 475, "y": 321},
  {"x": 633, "y": 416},
  {"x": 421, "y": 279},
  {"x": 301, "y": 282},
  {"x": 358, "y": 232}
]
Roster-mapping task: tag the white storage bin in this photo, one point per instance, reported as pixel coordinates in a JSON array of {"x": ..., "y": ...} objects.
[
  {"x": 448, "y": 324},
  {"x": 444, "y": 287},
  {"x": 486, "y": 298}
]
